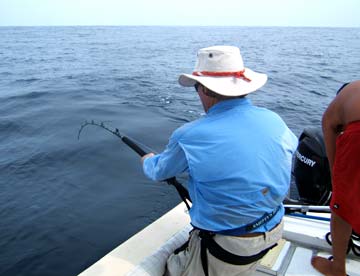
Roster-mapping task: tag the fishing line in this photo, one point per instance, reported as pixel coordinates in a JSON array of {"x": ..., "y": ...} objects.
[{"x": 182, "y": 191}]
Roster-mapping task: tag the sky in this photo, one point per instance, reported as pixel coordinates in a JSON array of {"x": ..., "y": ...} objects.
[{"x": 323, "y": 13}]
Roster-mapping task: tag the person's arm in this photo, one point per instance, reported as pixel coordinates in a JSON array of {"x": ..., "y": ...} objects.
[
  {"x": 332, "y": 126},
  {"x": 169, "y": 163},
  {"x": 344, "y": 109}
]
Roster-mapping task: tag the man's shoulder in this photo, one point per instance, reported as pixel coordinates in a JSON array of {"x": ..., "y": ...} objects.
[
  {"x": 186, "y": 129},
  {"x": 268, "y": 112}
]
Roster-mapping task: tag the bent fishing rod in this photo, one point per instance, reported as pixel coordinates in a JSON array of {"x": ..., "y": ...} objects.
[{"x": 182, "y": 191}]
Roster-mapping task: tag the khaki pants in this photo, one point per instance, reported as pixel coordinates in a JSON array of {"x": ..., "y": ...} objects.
[{"x": 188, "y": 262}]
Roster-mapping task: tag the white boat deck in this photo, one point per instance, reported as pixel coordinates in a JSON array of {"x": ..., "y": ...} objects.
[
  {"x": 132, "y": 252},
  {"x": 146, "y": 252}
]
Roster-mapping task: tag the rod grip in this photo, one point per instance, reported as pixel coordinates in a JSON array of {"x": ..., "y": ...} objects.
[{"x": 133, "y": 145}]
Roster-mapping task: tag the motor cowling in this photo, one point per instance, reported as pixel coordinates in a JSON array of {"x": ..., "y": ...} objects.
[{"x": 311, "y": 169}]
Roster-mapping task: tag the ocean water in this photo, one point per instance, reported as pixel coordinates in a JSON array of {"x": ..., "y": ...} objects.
[{"x": 64, "y": 202}]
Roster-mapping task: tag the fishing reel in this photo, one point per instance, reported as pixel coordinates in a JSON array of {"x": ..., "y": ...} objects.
[{"x": 311, "y": 169}]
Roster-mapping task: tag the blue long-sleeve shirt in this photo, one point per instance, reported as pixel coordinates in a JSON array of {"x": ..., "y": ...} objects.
[{"x": 238, "y": 157}]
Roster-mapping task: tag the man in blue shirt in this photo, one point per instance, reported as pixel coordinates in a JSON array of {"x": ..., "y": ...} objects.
[{"x": 238, "y": 158}]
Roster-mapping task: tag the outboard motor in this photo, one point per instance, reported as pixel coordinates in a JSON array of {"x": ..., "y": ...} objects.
[{"x": 311, "y": 168}]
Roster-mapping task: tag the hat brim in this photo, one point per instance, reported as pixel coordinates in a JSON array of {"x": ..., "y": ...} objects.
[{"x": 227, "y": 86}]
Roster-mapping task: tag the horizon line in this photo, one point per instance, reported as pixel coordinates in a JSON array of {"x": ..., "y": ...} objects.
[{"x": 174, "y": 25}]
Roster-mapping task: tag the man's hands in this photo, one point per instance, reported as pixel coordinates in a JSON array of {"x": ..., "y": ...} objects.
[{"x": 146, "y": 156}]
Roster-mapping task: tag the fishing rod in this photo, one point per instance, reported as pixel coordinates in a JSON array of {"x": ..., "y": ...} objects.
[
  {"x": 183, "y": 192},
  {"x": 117, "y": 133}
]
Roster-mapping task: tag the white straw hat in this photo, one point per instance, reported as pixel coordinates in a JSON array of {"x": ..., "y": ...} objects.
[{"x": 221, "y": 69}]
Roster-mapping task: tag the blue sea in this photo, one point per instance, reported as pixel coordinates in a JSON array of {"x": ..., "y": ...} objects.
[{"x": 64, "y": 202}]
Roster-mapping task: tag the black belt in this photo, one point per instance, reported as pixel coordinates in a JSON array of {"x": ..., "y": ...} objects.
[{"x": 251, "y": 226}]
